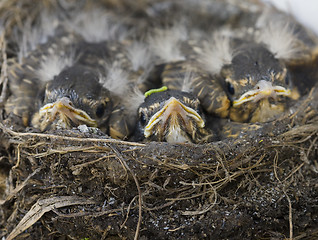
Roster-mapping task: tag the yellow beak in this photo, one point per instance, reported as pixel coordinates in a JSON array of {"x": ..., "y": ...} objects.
[
  {"x": 64, "y": 109},
  {"x": 174, "y": 112},
  {"x": 264, "y": 89}
]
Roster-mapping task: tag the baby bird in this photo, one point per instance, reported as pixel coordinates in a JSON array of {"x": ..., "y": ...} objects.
[
  {"x": 72, "y": 98},
  {"x": 254, "y": 71},
  {"x": 171, "y": 116}
]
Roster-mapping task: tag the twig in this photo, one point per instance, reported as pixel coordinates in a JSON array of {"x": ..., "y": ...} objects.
[
  {"x": 200, "y": 212},
  {"x": 294, "y": 171},
  {"x": 128, "y": 211},
  {"x": 290, "y": 215},
  {"x": 19, "y": 187},
  {"x": 4, "y": 74},
  {"x": 168, "y": 204},
  {"x": 41, "y": 207},
  {"x": 123, "y": 162},
  {"x": 82, "y": 214},
  {"x": 77, "y": 139}
]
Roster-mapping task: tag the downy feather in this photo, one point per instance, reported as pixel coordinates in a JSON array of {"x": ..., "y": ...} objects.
[
  {"x": 277, "y": 32},
  {"x": 53, "y": 65},
  {"x": 33, "y": 35},
  {"x": 140, "y": 56},
  {"x": 166, "y": 43},
  {"x": 97, "y": 26},
  {"x": 216, "y": 53},
  {"x": 280, "y": 39}
]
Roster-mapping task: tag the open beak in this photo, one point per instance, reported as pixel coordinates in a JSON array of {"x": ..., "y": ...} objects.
[
  {"x": 264, "y": 89},
  {"x": 176, "y": 117},
  {"x": 64, "y": 110}
]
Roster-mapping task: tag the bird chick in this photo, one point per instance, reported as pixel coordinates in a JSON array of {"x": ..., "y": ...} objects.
[
  {"x": 258, "y": 84},
  {"x": 253, "y": 73},
  {"x": 73, "y": 97},
  {"x": 172, "y": 116}
]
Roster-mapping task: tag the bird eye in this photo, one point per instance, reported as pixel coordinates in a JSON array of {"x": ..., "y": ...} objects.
[
  {"x": 230, "y": 88},
  {"x": 142, "y": 118},
  {"x": 287, "y": 79},
  {"x": 100, "y": 110}
]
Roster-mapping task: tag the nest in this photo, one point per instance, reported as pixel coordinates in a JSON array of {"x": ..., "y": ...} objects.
[
  {"x": 82, "y": 185},
  {"x": 70, "y": 184}
]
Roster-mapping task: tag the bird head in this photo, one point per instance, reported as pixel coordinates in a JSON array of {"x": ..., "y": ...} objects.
[
  {"x": 72, "y": 98},
  {"x": 171, "y": 116},
  {"x": 257, "y": 84}
]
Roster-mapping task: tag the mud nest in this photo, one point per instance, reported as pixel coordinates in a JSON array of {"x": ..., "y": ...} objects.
[
  {"x": 76, "y": 184},
  {"x": 82, "y": 185}
]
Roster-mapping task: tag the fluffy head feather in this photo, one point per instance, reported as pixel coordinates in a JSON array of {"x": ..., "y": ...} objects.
[
  {"x": 277, "y": 31},
  {"x": 116, "y": 80},
  {"x": 53, "y": 64},
  {"x": 280, "y": 39},
  {"x": 216, "y": 53},
  {"x": 165, "y": 43},
  {"x": 119, "y": 82},
  {"x": 133, "y": 99},
  {"x": 96, "y": 26},
  {"x": 33, "y": 35},
  {"x": 139, "y": 55}
]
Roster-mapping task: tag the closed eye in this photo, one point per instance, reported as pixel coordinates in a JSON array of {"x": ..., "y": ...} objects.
[
  {"x": 230, "y": 88},
  {"x": 287, "y": 79},
  {"x": 142, "y": 118},
  {"x": 100, "y": 110}
]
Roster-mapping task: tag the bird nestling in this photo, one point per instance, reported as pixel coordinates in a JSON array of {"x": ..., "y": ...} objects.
[
  {"x": 52, "y": 89},
  {"x": 74, "y": 97},
  {"x": 172, "y": 116},
  {"x": 29, "y": 74},
  {"x": 254, "y": 71},
  {"x": 79, "y": 72},
  {"x": 258, "y": 84}
]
